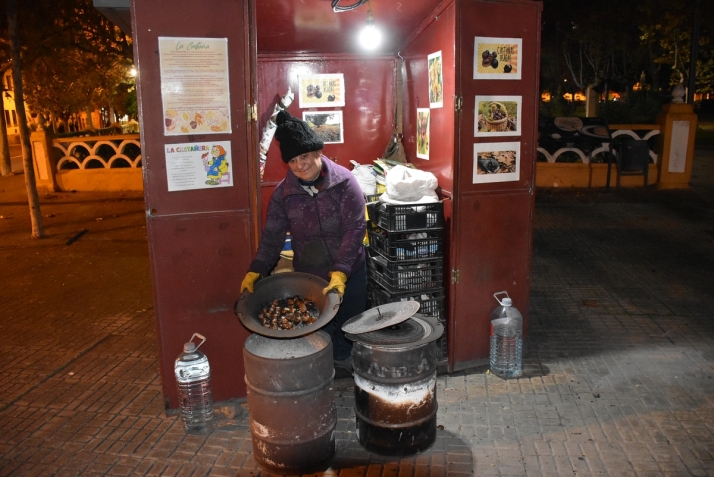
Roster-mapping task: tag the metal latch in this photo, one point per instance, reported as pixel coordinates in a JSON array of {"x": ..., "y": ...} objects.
[
  {"x": 454, "y": 275},
  {"x": 458, "y": 103},
  {"x": 252, "y": 113}
]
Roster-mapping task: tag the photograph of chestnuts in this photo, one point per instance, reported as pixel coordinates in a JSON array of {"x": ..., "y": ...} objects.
[
  {"x": 321, "y": 90},
  {"x": 497, "y": 58},
  {"x": 498, "y": 116},
  {"x": 496, "y": 162},
  {"x": 327, "y": 125}
]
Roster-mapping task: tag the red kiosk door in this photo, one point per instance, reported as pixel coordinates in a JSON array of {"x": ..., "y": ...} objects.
[
  {"x": 201, "y": 237},
  {"x": 492, "y": 219}
]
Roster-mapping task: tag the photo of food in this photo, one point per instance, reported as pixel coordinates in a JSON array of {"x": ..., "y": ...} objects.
[
  {"x": 327, "y": 125},
  {"x": 497, "y": 58},
  {"x": 422, "y": 132},
  {"x": 436, "y": 81},
  {"x": 195, "y": 121},
  {"x": 498, "y": 116},
  {"x": 315, "y": 91},
  {"x": 496, "y": 162}
]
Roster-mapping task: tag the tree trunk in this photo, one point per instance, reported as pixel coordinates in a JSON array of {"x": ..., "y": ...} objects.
[
  {"x": 90, "y": 120},
  {"x": 38, "y": 230},
  {"x": 5, "y": 160}
]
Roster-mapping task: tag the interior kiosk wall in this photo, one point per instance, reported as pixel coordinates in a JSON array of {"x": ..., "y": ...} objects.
[
  {"x": 202, "y": 241},
  {"x": 367, "y": 115}
]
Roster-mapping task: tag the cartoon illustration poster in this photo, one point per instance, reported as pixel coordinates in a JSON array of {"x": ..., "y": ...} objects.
[
  {"x": 497, "y": 58},
  {"x": 202, "y": 165},
  {"x": 436, "y": 81},
  {"x": 496, "y": 162},
  {"x": 194, "y": 85},
  {"x": 316, "y": 91},
  {"x": 423, "y": 117}
]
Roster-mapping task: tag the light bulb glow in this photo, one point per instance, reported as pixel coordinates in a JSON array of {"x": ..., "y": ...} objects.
[{"x": 370, "y": 37}]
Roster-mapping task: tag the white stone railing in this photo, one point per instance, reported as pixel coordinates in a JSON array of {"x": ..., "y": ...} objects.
[
  {"x": 99, "y": 152},
  {"x": 634, "y": 131}
]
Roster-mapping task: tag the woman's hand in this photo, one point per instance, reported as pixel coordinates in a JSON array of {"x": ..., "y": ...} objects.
[
  {"x": 249, "y": 282},
  {"x": 338, "y": 282}
]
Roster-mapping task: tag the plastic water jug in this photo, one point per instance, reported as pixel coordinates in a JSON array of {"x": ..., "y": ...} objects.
[
  {"x": 193, "y": 377},
  {"x": 506, "y": 356}
]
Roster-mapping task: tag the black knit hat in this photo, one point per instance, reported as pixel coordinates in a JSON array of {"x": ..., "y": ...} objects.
[{"x": 295, "y": 137}]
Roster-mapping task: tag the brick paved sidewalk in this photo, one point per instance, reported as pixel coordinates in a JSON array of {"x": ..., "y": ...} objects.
[{"x": 618, "y": 371}]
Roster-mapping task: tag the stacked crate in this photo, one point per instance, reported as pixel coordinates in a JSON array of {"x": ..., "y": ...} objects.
[{"x": 405, "y": 258}]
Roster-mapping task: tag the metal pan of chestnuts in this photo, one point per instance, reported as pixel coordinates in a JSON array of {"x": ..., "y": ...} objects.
[{"x": 287, "y": 305}]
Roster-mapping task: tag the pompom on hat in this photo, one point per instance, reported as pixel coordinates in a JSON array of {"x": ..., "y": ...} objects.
[{"x": 295, "y": 137}]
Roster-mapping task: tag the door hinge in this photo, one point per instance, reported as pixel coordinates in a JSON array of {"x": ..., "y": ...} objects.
[
  {"x": 252, "y": 113},
  {"x": 458, "y": 103},
  {"x": 454, "y": 275}
]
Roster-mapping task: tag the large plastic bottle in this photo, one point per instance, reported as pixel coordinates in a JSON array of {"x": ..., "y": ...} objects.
[
  {"x": 506, "y": 357},
  {"x": 193, "y": 376}
]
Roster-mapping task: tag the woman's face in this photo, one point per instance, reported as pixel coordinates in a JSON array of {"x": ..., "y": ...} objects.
[{"x": 306, "y": 166}]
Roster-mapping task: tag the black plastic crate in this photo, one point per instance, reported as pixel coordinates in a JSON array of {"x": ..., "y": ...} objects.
[
  {"x": 406, "y": 245},
  {"x": 397, "y": 218},
  {"x": 406, "y": 275},
  {"x": 431, "y": 301}
]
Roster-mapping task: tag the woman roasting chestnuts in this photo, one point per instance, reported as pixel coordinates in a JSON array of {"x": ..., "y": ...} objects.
[{"x": 322, "y": 206}]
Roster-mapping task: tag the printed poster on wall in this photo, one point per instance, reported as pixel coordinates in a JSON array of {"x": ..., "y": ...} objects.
[
  {"x": 496, "y": 162},
  {"x": 497, "y": 58},
  {"x": 498, "y": 116},
  {"x": 198, "y": 165},
  {"x": 319, "y": 91},
  {"x": 436, "y": 81},
  {"x": 326, "y": 124},
  {"x": 422, "y": 133},
  {"x": 194, "y": 85}
]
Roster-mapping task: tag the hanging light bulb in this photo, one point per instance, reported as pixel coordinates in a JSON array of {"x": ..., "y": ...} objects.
[{"x": 370, "y": 37}]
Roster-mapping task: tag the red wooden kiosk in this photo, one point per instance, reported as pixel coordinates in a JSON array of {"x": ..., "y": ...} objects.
[{"x": 202, "y": 241}]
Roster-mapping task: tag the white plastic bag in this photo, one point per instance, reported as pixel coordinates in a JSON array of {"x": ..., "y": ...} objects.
[
  {"x": 367, "y": 181},
  {"x": 410, "y": 185}
]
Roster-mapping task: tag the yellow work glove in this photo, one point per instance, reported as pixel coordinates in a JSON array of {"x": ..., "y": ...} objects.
[
  {"x": 338, "y": 281},
  {"x": 249, "y": 282}
]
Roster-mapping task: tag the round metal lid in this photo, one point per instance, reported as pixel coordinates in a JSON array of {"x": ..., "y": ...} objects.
[
  {"x": 414, "y": 331},
  {"x": 380, "y": 317}
]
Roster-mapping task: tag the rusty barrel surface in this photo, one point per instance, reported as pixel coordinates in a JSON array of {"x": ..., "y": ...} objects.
[
  {"x": 395, "y": 397},
  {"x": 291, "y": 401}
]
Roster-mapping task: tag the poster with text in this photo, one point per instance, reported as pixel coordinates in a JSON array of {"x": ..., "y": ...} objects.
[
  {"x": 496, "y": 162},
  {"x": 497, "y": 58},
  {"x": 318, "y": 91},
  {"x": 436, "y": 81},
  {"x": 194, "y": 85},
  {"x": 498, "y": 116},
  {"x": 422, "y": 133},
  {"x": 200, "y": 165},
  {"x": 326, "y": 124}
]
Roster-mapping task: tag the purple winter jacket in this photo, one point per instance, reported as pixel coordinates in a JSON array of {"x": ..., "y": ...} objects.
[{"x": 333, "y": 217}]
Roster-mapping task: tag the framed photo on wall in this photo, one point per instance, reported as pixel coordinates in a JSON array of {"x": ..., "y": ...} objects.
[
  {"x": 319, "y": 91},
  {"x": 422, "y": 132},
  {"x": 497, "y": 58},
  {"x": 498, "y": 116},
  {"x": 436, "y": 81},
  {"x": 496, "y": 162},
  {"x": 327, "y": 125}
]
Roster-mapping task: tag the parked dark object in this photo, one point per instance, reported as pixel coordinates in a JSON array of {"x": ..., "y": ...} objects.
[{"x": 632, "y": 159}]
